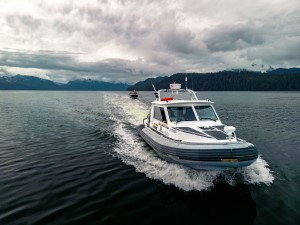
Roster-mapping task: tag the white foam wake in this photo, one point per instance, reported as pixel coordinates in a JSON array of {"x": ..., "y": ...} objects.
[
  {"x": 132, "y": 150},
  {"x": 258, "y": 172}
]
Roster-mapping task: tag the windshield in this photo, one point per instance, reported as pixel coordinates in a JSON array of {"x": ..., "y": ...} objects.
[
  {"x": 205, "y": 112},
  {"x": 177, "y": 114}
]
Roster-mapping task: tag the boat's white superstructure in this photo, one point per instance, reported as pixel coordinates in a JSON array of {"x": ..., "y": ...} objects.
[{"x": 183, "y": 129}]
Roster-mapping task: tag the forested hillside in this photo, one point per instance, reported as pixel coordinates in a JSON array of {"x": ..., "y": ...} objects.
[{"x": 229, "y": 81}]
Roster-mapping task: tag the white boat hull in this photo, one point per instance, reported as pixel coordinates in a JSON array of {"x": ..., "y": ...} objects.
[{"x": 208, "y": 156}]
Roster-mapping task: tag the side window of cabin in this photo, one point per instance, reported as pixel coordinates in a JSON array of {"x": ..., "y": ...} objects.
[{"x": 159, "y": 113}]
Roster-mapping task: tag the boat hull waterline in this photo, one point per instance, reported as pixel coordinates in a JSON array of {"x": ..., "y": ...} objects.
[
  {"x": 133, "y": 96},
  {"x": 206, "y": 156}
]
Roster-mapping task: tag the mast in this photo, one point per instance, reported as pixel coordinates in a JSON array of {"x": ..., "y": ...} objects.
[
  {"x": 185, "y": 82},
  {"x": 155, "y": 92}
]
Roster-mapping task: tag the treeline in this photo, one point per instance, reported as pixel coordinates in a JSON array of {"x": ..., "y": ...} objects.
[{"x": 227, "y": 81}]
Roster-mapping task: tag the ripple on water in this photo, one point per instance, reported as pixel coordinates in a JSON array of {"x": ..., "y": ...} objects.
[{"x": 77, "y": 158}]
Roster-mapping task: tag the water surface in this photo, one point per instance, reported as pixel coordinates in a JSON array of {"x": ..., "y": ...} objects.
[{"x": 76, "y": 158}]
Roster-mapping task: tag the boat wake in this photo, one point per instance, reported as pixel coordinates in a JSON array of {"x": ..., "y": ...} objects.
[{"x": 132, "y": 150}]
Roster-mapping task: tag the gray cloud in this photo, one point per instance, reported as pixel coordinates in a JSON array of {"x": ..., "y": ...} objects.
[
  {"x": 66, "y": 63},
  {"x": 131, "y": 40},
  {"x": 22, "y": 23},
  {"x": 234, "y": 37},
  {"x": 282, "y": 53}
]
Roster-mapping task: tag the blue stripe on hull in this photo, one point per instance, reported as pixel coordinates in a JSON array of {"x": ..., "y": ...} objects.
[{"x": 196, "y": 158}]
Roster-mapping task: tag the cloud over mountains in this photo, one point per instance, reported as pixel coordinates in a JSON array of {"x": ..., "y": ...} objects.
[{"x": 127, "y": 41}]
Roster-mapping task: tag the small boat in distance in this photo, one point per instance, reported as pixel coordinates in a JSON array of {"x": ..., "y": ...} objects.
[
  {"x": 133, "y": 94},
  {"x": 185, "y": 130}
]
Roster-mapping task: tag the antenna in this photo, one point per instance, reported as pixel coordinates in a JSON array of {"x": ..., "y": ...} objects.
[
  {"x": 155, "y": 93},
  {"x": 153, "y": 86},
  {"x": 185, "y": 82}
]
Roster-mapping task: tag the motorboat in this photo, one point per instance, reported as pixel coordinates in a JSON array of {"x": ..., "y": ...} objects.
[
  {"x": 185, "y": 130},
  {"x": 133, "y": 94}
]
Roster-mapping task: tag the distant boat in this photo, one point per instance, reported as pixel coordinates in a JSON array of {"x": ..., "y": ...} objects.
[
  {"x": 185, "y": 130},
  {"x": 133, "y": 94}
]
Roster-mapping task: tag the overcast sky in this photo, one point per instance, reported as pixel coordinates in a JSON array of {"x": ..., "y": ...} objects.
[{"x": 128, "y": 41}]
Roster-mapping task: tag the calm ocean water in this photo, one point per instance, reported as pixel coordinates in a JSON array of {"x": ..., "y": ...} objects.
[{"x": 76, "y": 158}]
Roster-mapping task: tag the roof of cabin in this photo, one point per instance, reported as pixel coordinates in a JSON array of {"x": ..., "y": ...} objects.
[
  {"x": 183, "y": 102},
  {"x": 181, "y": 94}
]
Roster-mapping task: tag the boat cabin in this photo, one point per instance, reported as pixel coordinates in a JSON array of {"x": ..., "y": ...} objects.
[
  {"x": 179, "y": 109},
  {"x": 176, "y": 105}
]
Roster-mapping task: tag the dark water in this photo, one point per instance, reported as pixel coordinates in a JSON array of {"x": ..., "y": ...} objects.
[{"x": 76, "y": 158}]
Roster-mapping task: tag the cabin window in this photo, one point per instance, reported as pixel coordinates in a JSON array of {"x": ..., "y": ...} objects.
[
  {"x": 177, "y": 114},
  {"x": 206, "y": 112},
  {"x": 159, "y": 114}
]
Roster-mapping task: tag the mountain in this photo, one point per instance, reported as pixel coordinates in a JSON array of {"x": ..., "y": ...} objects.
[
  {"x": 241, "y": 80},
  {"x": 235, "y": 80},
  {"x": 20, "y": 82},
  {"x": 94, "y": 85},
  {"x": 146, "y": 84},
  {"x": 284, "y": 71}
]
